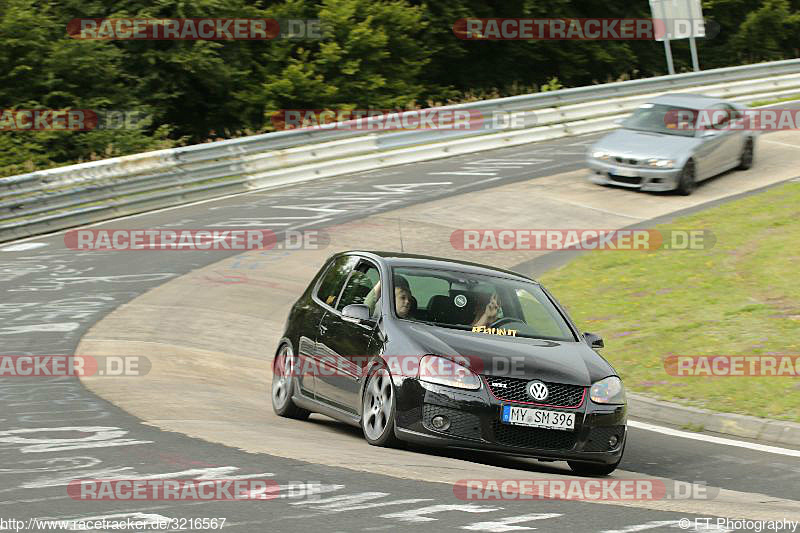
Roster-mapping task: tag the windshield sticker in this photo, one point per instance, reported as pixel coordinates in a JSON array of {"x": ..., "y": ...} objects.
[
  {"x": 494, "y": 331},
  {"x": 460, "y": 300}
]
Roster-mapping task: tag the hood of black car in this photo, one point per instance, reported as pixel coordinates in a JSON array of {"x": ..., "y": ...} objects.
[{"x": 573, "y": 363}]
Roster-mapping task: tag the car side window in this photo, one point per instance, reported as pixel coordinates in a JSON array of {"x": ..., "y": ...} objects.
[
  {"x": 359, "y": 284},
  {"x": 425, "y": 288},
  {"x": 334, "y": 278},
  {"x": 735, "y": 113},
  {"x": 721, "y": 120}
]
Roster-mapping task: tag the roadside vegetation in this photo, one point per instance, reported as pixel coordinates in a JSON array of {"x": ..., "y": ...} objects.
[
  {"x": 760, "y": 103},
  {"x": 398, "y": 54},
  {"x": 741, "y": 297}
]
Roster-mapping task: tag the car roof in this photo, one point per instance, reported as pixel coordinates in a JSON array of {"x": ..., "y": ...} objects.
[
  {"x": 398, "y": 259},
  {"x": 687, "y": 100}
]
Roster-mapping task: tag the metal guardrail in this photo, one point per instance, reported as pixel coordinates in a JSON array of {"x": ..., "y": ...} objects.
[{"x": 57, "y": 198}]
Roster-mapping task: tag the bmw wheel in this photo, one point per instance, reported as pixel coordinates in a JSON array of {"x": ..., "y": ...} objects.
[
  {"x": 686, "y": 184},
  {"x": 283, "y": 386},
  {"x": 378, "y": 409}
]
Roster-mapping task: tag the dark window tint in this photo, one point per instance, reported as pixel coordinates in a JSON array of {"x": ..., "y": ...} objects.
[
  {"x": 334, "y": 278},
  {"x": 459, "y": 299}
]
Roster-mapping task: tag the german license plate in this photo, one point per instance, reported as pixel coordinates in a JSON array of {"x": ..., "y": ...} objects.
[{"x": 537, "y": 418}]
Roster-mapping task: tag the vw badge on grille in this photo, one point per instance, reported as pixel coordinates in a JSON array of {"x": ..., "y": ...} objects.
[{"x": 537, "y": 390}]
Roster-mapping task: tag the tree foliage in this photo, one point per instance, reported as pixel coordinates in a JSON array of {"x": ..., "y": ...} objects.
[{"x": 373, "y": 54}]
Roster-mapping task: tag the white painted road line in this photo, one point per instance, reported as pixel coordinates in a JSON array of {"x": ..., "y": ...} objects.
[
  {"x": 61, "y": 327},
  {"x": 457, "y": 173},
  {"x": 714, "y": 440},
  {"x": 506, "y": 524},
  {"x": 644, "y": 527},
  {"x": 21, "y": 247},
  {"x": 422, "y": 514}
]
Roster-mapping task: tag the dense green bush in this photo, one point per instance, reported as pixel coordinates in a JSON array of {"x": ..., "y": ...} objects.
[{"x": 373, "y": 54}]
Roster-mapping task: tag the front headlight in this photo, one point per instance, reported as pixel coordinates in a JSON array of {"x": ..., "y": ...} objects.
[
  {"x": 661, "y": 163},
  {"x": 599, "y": 154},
  {"x": 608, "y": 391},
  {"x": 443, "y": 371}
]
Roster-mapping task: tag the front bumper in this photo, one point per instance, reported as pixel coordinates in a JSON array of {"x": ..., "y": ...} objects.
[
  {"x": 475, "y": 424},
  {"x": 645, "y": 179}
]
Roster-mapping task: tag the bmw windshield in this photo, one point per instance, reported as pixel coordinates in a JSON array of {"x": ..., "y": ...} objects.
[
  {"x": 482, "y": 304},
  {"x": 659, "y": 118}
]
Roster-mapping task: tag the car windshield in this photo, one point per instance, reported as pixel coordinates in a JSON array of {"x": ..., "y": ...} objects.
[
  {"x": 659, "y": 118},
  {"x": 483, "y": 304}
]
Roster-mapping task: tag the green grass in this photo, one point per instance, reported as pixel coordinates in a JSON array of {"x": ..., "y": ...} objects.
[
  {"x": 760, "y": 103},
  {"x": 741, "y": 297}
]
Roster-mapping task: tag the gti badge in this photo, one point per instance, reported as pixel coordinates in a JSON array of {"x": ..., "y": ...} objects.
[{"x": 537, "y": 390}]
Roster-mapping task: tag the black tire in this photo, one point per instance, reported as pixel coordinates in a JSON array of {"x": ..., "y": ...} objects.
[
  {"x": 378, "y": 417},
  {"x": 746, "y": 159},
  {"x": 283, "y": 386},
  {"x": 686, "y": 184}
]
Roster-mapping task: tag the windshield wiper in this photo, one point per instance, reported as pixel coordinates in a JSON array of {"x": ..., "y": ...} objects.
[
  {"x": 679, "y": 133},
  {"x": 443, "y": 324}
]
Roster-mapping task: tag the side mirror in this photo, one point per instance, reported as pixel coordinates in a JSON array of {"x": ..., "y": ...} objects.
[
  {"x": 595, "y": 341},
  {"x": 356, "y": 312}
]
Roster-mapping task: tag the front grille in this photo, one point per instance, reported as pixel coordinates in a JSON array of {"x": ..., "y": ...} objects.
[
  {"x": 465, "y": 425},
  {"x": 626, "y": 179},
  {"x": 623, "y": 160},
  {"x": 598, "y": 438},
  {"x": 523, "y": 437},
  {"x": 561, "y": 395}
]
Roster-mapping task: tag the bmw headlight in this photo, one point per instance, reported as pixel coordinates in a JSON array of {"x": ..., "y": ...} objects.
[
  {"x": 443, "y": 371},
  {"x": 608, "y": 391},
  {"x": 599, "y": 154},
  {"x": 661, "y": 163}
]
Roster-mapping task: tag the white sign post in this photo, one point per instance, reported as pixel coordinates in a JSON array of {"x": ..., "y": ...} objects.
[{"x": 680, "y": 19}]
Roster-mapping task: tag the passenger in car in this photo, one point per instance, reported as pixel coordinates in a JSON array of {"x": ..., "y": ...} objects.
[
  {"x": 486, "y": 313},
  {"x": 403, "y": 299}
]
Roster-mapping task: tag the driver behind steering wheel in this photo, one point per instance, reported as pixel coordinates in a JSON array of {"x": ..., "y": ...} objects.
[{"x": 486, "y": 313}]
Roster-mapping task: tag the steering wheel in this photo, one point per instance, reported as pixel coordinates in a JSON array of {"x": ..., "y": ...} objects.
[{"x": 505, "y": 320}]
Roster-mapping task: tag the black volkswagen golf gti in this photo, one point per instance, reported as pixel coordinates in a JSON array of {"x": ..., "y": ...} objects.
[{"x": 446, "y": 353}]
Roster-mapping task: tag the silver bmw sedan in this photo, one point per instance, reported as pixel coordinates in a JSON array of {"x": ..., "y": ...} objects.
[{"x": 673, "y": 142}]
